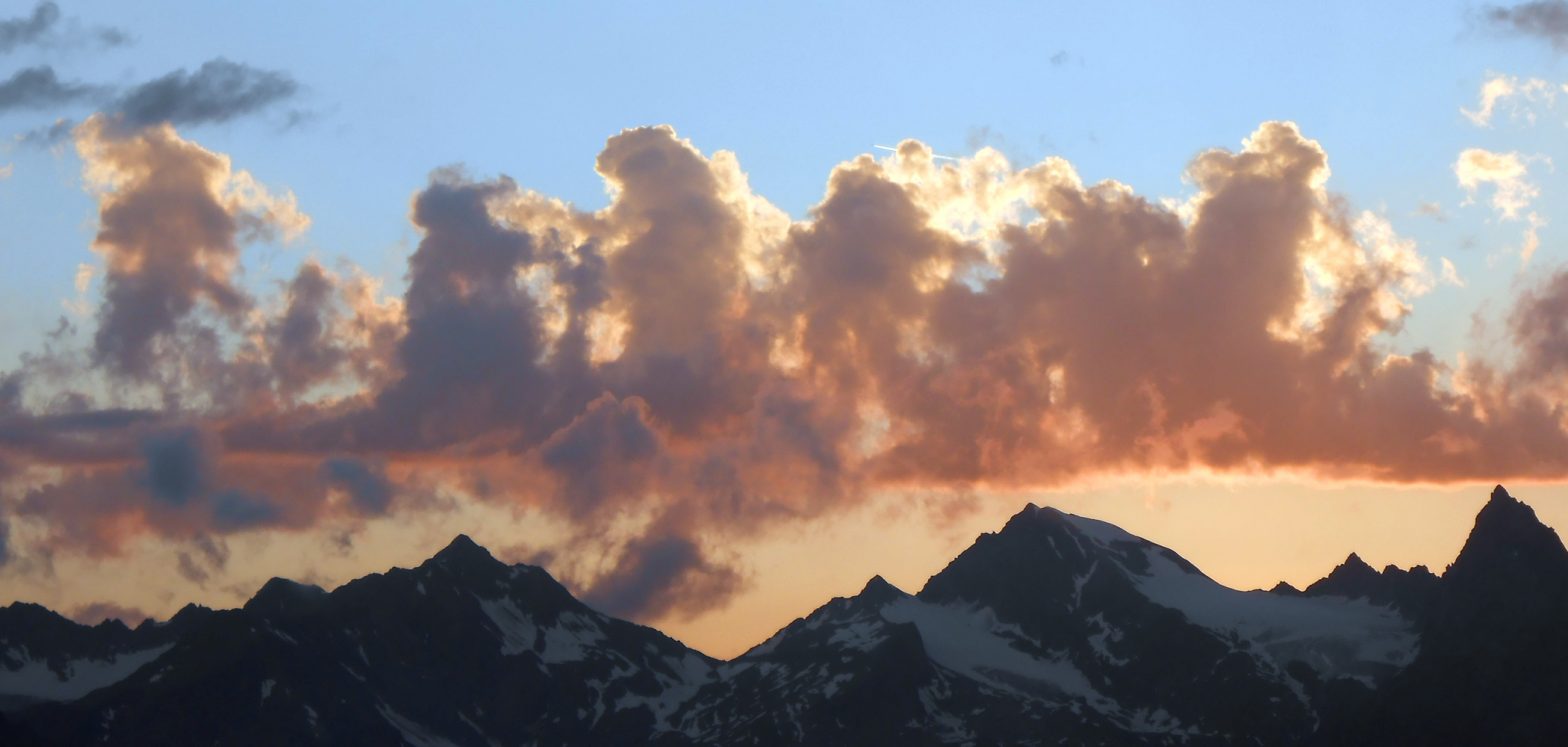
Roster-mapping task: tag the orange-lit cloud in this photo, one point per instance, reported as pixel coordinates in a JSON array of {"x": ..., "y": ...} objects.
[{"x": 687, "y": 365}]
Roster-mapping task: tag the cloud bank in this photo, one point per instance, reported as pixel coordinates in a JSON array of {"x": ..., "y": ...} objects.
[{"x": 689, "y": 366}]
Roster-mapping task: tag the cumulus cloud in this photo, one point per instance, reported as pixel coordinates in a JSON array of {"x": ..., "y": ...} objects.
[
  {"x": 1543, "y": 19},
  {"x": 171, "y": 216},
  {"x": 6, "y": 170},
  {"x": 687, "y": 366}
]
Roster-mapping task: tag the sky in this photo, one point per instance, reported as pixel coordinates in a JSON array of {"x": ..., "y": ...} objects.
[{"x": 715, "y": 311}]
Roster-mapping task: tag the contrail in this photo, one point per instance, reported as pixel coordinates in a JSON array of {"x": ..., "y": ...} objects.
[{"x": 933, "y": 155}]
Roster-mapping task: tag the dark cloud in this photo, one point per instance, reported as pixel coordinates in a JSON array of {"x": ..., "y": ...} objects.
[
  {"x": 219, "y": 91},
  {"x": 1543, "y": 19},
  {"x": 366, "y": 483},
  {"x": 29, "y": 29},
  {"x": 303, "y": 350},
  {"x": 239, "y": 510},
  {"x": 43, "y": 26},
  {"x": 663, "y": 574},
  {"x": 177, "y": 467},
  {"x": 39, "y": 88}
]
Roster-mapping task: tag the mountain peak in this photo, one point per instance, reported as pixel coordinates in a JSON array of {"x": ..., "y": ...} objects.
[
  {"x": 879, "y": 591},
  {"x": 463, "y": 550},
  {"x": 285, "y": 598},
  {"x": 1508, "y": 539},
  {"x": 1032, "y": 515}
]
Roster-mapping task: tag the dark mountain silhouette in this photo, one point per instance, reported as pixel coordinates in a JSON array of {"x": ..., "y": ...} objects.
[
  {"x": 1055, "y": 629},
  {"x": 1493, "y": 665},
  {"x": 1411, "y": 592}
]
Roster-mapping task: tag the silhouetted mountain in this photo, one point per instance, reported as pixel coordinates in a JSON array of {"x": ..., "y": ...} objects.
[
  {"x": 1493, "y": 666},
  {"x": 1055, "y": 629},
  {"x": 1411, "y": 592},
  {"x": 46, "y": 657}
]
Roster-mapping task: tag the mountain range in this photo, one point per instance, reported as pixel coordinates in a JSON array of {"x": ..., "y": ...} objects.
[{"x": 1056, "y": 629}]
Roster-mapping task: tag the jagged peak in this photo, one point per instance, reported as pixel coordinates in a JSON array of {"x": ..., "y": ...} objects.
[
  {"x": 1354, "y": 564},
  {"x": 1507, "y": 533}
]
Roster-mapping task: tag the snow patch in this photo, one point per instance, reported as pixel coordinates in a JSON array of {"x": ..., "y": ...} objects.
[
  {"x": 1337, "y": 636},
  {"x": 35, "y": 679},
  {"x": 967, "y": 640}
]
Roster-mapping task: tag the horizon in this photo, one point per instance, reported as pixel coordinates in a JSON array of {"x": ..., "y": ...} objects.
[
  {"x": 716, "y": 313},
  {"x": 106, "y": 615}
]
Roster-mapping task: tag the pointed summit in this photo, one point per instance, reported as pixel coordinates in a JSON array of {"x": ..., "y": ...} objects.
[
  {"x": 1509, "y": 540},
  {"x": 464, "y": 551},
  {"x": 879, "y": 591}
]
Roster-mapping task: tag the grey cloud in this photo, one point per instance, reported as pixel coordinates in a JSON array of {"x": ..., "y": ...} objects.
[
  {"x": 1543, "y": 19},
  {"x": 40, "y": 88},
  {"x": 176, "y": 466},
  {"x": 236, "y": 510},
  {"x": 219, "y": 91},
  {"x": 366, "y": 483},
  {"x": 661, "y": 574},
  {"x": 48, "y": 137},
  {"x": 29, "y": 29},
  {"x": 43, "y": 27},
  {"x": 302, "y": 348}
]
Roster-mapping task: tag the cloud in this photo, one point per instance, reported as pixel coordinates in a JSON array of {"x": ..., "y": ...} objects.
[
  {"x": 1450, "y": 274},
  {"x": 1432, "y": 210},
  {"x": 176, "y": 466},
  {"x": 6, "y": 170},
  {"x": 39, "y": 88},
  {"x": 1501, "y": 90},
  {"x": 660, "y": 575},
  {"x": 688, "y": 367},
  {"x": 48, "y": 137},
  {"x": 171, "y": 217},
  {"x": 43, "y": 27},
  {"x": 1539, "y": 323},
  {"x": 366, "y": 483},
  {"x": 1543, "y": 19},
  {"x": 1505, "y": 172},
  {"x": 217, "y": 92},
  {"x": 30, "y": 29}
]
